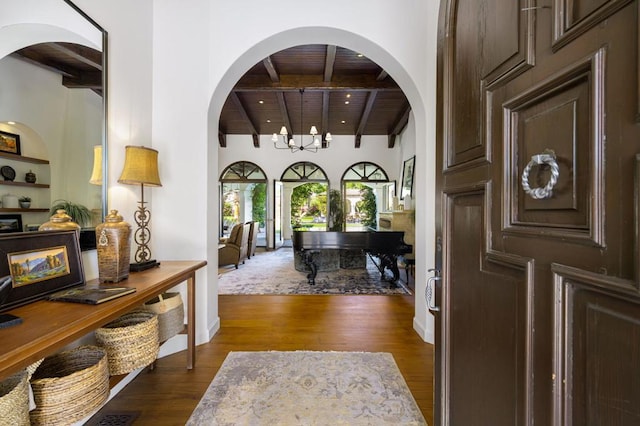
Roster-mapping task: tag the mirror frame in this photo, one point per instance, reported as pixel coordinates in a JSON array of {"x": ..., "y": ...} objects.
[{"x": 105, "y": 104}]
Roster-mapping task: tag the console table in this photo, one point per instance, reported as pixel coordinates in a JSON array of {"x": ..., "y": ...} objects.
[{"x": 49, "y": 326}]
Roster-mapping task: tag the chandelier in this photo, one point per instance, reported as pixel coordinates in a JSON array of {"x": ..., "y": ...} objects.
[{"x": 290, "y": 143}]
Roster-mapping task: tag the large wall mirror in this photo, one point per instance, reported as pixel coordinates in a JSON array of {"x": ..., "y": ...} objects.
[{"x": 53, "y": 105}]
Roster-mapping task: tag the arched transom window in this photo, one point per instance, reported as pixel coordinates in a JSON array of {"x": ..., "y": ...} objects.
[{"x": 304, "y": 171}]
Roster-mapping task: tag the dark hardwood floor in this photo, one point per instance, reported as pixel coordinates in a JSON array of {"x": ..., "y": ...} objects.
[{"x": 168, "y": 394}]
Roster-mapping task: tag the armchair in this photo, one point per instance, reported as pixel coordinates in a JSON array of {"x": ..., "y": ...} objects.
[
  {"x": 234, "y": 249},
  {"x": 253, "y": 239}
]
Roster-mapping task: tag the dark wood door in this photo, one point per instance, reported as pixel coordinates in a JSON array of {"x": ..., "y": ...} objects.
[{"x": 540, "y": 307}]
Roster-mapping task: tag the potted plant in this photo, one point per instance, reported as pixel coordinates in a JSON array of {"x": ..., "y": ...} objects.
[
  {"x": 79, "y": 214},
  {"x": 25, "y": 202}
]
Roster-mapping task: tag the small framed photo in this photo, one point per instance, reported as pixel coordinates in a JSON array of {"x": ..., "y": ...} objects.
[
  {"x": 10, "y": 223},
  {"x": 9, "y": 142},
  {"x": 407, "y": 178},
  {"x": 38, "y": 264}
]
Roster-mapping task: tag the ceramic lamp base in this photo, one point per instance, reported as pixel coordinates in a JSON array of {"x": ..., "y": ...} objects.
[{"x": 142, "y": 266}]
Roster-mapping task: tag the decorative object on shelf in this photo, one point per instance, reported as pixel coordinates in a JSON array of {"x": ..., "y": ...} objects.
[
  {"x": 25, "y": 202},
  {"x": 10, "y": 223},
  {"x": 170, "y": 311},
  {"x": 141, "y": 168},
  {"x": 407, "y": 178},
  {"x": 60, "y": 221},
  {"x": 9, "y": 142},
  {"x": 96, "y": 173},
  {"x": 30, "y": 177},
  {"x": 131, "y": 341},
  {"x": 10, "y": 201},
  {"x": 114, "y": 247},
  {"x": 8, "y": 173},
  {"x": 39, "y": 263},
  {"x": 79, "y": 213},
  {"x": 290, "y": 144},
  {"x": 70, "y": 385}
]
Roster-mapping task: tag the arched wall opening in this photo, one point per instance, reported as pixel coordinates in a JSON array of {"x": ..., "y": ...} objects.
[{"x": 409, "y": 85}]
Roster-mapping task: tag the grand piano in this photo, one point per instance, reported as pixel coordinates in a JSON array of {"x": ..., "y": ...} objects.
[{"x": 386, "y": 246}]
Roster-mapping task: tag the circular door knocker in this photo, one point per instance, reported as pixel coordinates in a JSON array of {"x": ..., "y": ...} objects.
[{"x": 547, "y": 157}]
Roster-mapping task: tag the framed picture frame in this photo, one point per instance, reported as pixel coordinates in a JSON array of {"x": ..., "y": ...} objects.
[
  {"x": 9, "y": 142},
  {"x": 38, "y": 264},
  {"x": 10, "y": 223},
  {"x": 407, "y": 177}
]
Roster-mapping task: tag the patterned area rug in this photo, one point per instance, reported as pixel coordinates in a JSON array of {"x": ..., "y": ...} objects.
[
  {"x": 273, "y": 272},
  {"x": 307, "y": 388}
]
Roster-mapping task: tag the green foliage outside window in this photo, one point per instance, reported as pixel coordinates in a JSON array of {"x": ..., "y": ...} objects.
[
  {"x": 367, "y": 207},
  {"x": 305, "y": 199},
  {"x": 259, "y": 203},
  {"x": 336, "y": 211}
]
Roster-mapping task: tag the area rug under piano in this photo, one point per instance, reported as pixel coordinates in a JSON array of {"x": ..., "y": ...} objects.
[{"x": 273, "y": 272}]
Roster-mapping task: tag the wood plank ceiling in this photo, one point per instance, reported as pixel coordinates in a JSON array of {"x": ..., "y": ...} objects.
[
  {"x": 336, "y": 89},
  {"x": 333, "y": 88}
]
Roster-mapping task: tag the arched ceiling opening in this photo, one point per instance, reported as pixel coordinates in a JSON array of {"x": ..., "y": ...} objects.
[{"x": 343, "y": 93}]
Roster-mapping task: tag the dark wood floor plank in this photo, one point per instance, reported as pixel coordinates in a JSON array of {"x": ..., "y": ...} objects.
[{"x": 168, "y": 394}]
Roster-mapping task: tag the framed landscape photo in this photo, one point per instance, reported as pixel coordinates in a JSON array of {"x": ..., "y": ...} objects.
[
  {"x": 9, "y": 142},
  {"x": 407, "y": 177},
  {"x": 38, "y": 264},
  {"x": 10, "y": 223}
]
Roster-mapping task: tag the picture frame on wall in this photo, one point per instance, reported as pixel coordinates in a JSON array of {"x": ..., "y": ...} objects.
[
  {"x": 38, "y": 264},
  {"x": 9, "y": 143},
  {"x": 407, "y": 177},
  {"x": 10, "y": 223}
]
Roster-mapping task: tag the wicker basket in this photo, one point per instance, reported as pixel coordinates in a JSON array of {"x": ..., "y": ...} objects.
[
  {"x": 131, "y": 341},
  {"x": 14, "y": 400},
  {"x": 69, "y": 386},
  {"x": 170, "y": 311}
]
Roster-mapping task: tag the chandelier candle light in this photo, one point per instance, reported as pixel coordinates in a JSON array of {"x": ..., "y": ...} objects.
[
  {"x": 141, "y": 168},
  {"x": 291, "y": 144}
]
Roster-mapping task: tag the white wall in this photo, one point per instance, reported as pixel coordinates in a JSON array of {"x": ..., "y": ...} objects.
[
  {"x": 172, "y": 67},
  {"x": 334, "y": 161}
]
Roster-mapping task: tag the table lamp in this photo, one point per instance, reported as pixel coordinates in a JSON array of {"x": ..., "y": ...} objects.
[
  {"x": 141, "y": 168},
  {"x": 96, "y": 173}
]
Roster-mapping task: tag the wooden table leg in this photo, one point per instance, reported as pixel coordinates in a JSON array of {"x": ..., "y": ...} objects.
[{"x": 191, "y": 321}]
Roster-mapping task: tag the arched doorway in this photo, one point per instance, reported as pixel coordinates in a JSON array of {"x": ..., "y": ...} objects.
[
  {"x": 243, "y": 198},
  {"x": 365, "y": 188},
  {"x": 295, "y": 176},
  {"x": 421, "y": 125}
]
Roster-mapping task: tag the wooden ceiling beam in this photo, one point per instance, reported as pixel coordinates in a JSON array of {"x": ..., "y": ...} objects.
[
  {"x": 82, "y": 54},
  {"x": 383, "y": 74},
  {"x": 284, "y": 112},
  {"x": 271, "y": 69},
  {"x": 86, "y": 80},
  {"x": 329, "y": 62},
  {"x": 49, "y": 66},
  {"x": 243, "y": 112},
  {"x": 400, "y": 124},
  {"x": 371, "y": 98},
  {"x": 325, "y": 117},
  {"x": 314, "y": 82}
]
